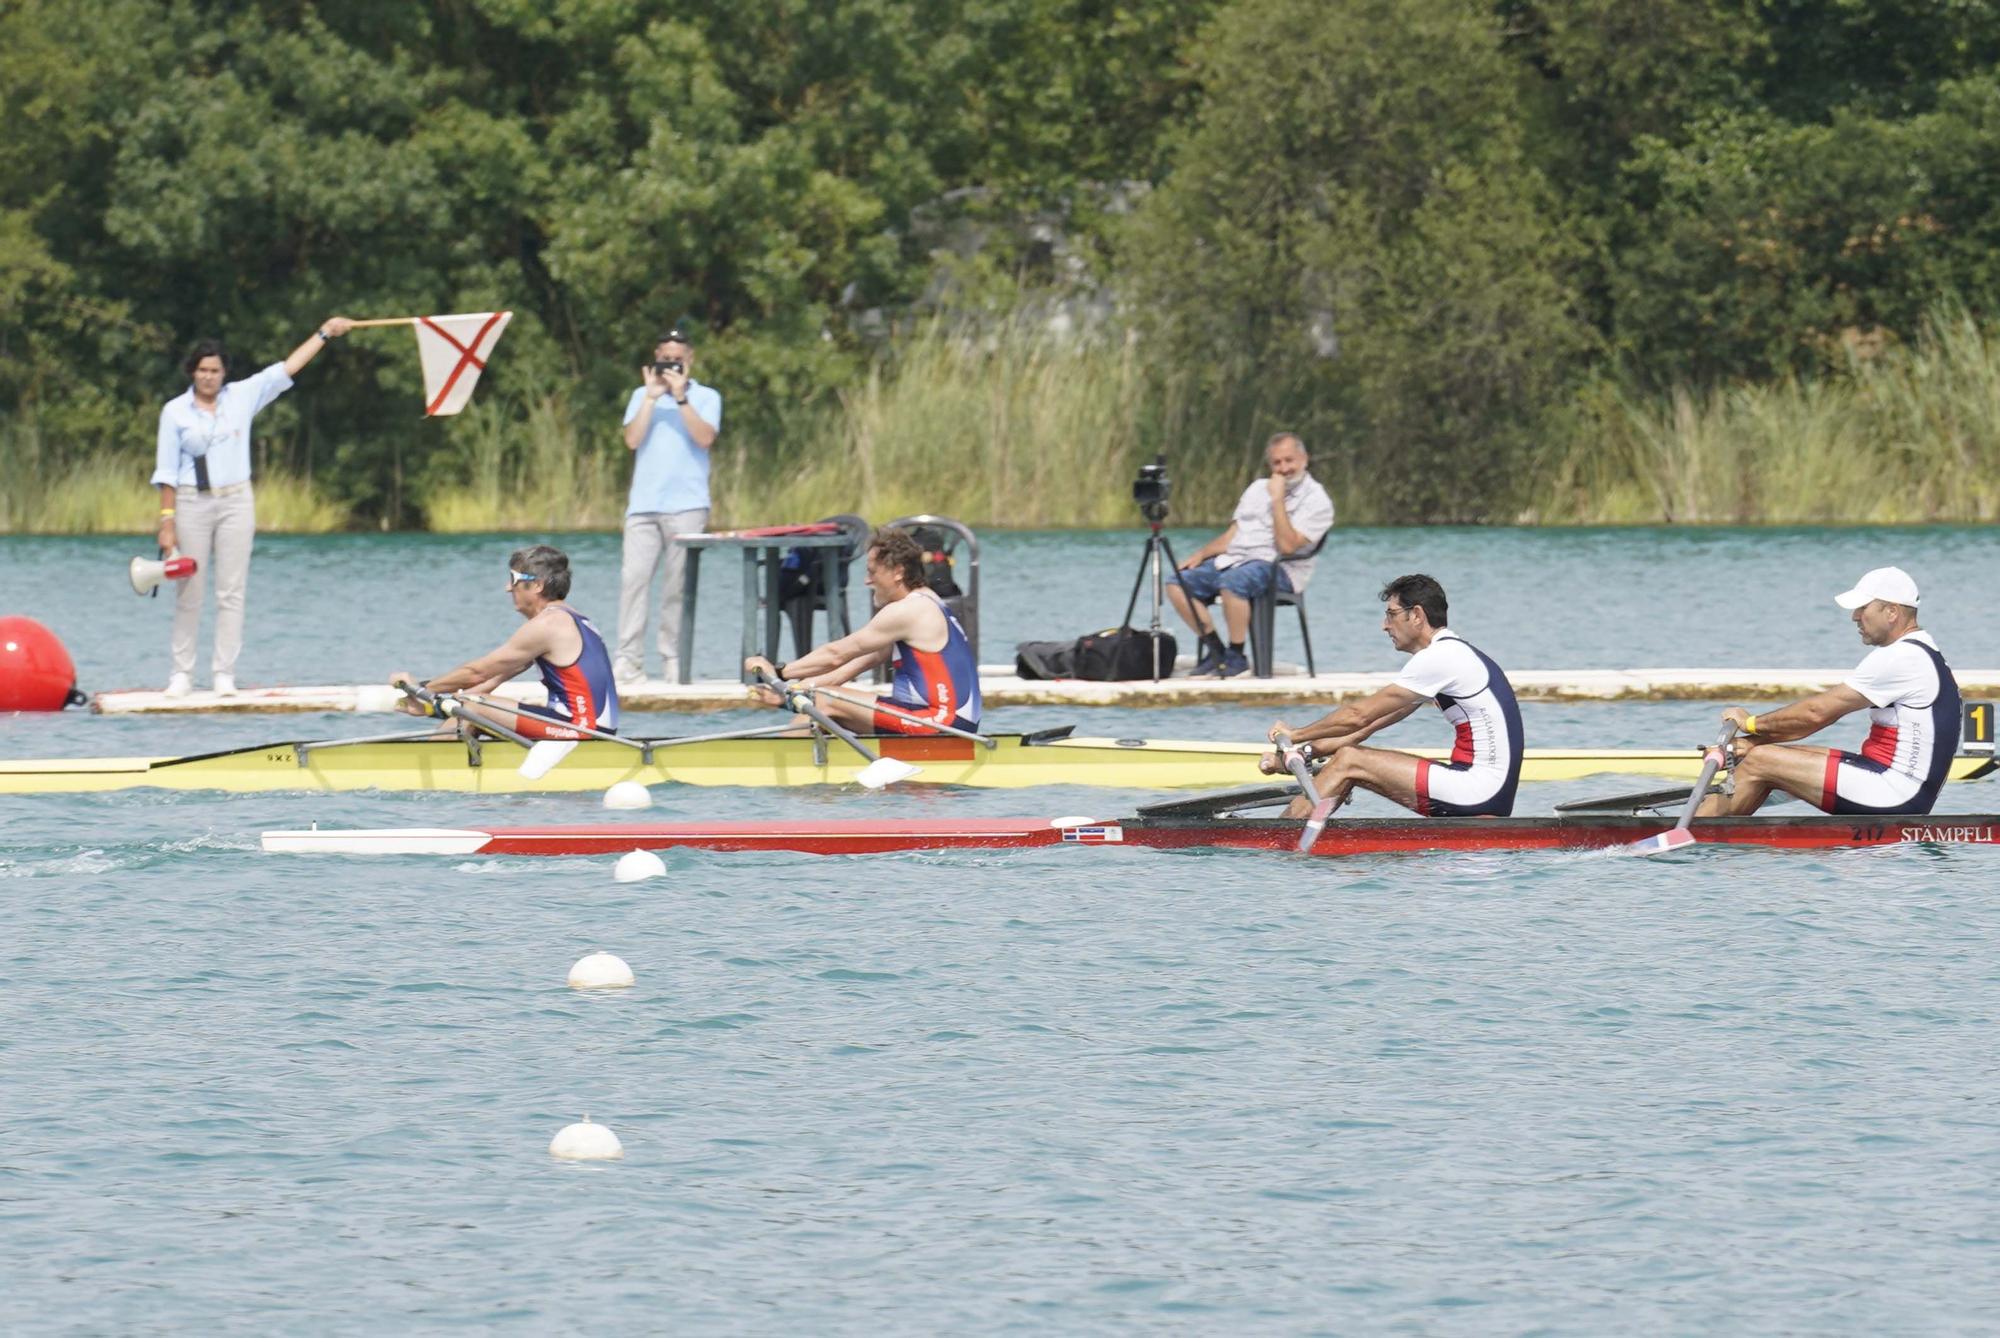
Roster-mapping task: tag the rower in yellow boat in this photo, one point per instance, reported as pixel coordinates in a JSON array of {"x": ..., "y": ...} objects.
[{"x": 935, "y": 682}]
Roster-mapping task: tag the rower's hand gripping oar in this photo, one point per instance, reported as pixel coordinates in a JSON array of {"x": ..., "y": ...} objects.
[
  {"x": 1322, "y": 809},
  {"x": 880, "y": 771},
  {"x": 1679, "y": 836}
]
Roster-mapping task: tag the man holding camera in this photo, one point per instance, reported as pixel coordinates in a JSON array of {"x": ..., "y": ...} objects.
[
  {"x": 671, "y": 423},
  {"x": 1277, "y": 519}
]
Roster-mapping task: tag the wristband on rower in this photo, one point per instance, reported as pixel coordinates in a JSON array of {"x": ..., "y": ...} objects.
[
  {"x": 166, "y": 513},
  {"x": 1750, "y": 724}
]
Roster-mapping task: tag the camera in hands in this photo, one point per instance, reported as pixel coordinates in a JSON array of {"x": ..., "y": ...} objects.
[
  {"x": 1152, "y": 489},
  {"x": 674, "y": 365}
]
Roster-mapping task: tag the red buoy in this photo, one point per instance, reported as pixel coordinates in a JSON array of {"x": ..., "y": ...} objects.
[{"x": 36, "y": 673}]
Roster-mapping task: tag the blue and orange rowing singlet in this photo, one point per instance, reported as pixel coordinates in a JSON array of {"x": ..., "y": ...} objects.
[
  {"x": 580, "y": 691},
  {"x": 940, "y": 685}
]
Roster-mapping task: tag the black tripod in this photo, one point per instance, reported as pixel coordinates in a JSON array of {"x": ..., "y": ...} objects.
[{"x": 1157, "y": 548}]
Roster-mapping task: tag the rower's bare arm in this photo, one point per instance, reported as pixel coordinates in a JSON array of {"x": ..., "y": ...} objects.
[
  {"x": 879, "y": 634},
  {"x": 853, "y": 669},
  {"x": 1801, "y": 718},
  {"x": 1357, "y": 720},
  {"x": 489, "y": 671}
]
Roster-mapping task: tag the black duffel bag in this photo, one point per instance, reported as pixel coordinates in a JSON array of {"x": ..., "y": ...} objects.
[{"x": 1113, "y": 655}]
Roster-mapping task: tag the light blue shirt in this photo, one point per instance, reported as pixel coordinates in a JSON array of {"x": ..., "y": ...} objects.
[
  {"x": 670, "y": 472},
  {"x": 222, "y": 436}
]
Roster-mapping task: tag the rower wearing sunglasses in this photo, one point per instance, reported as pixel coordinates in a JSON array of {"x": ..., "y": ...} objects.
[{"x": 556, "y": 639}]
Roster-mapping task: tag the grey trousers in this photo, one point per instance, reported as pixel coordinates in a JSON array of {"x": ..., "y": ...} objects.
[
  {"x": 217, "y": 532},
  {"x": 649, "y": 546}
]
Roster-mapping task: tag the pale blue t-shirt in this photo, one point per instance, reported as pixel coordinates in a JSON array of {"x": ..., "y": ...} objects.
[{"x": 670, "y": 472}]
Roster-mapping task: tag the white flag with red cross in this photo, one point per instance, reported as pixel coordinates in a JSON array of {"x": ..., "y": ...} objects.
[{"x": 454, "y": 350}]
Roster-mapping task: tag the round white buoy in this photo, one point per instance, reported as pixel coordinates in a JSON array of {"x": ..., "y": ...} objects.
[
  {"x": 628, "y": 794},
  {"x": 586, "y": 1142},
  {"x": 600, "y": 971},
  {"x": 637, "y": 865}
]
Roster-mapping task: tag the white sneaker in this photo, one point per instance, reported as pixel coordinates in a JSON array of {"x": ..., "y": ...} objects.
[
  {"x": 180, "y": 685},
  {"x": 224, "y": 685},
  {"x": 625, "y": 675}
]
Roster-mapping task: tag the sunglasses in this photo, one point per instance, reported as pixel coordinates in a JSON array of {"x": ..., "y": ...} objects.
[{"x": 515, "y": 578}]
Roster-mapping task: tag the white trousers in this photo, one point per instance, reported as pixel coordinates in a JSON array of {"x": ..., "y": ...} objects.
[
  {"x": 217, "y": 532},
  {"x": 648, "y": 547}
]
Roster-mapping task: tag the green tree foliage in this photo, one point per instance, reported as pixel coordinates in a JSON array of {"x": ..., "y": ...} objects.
[
  {"x": 1422, "y": 233},
  {"x": 1352, "y": 219}
]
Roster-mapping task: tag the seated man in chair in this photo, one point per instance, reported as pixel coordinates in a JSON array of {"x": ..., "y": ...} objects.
[{"x": 1277, "y": 519}]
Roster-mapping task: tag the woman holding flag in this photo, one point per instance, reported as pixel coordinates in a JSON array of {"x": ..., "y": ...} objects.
[{"x": 207, "y": 510}]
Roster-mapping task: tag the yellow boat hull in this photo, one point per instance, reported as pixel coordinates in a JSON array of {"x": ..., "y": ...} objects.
[{"x": 1013, "y": 762}]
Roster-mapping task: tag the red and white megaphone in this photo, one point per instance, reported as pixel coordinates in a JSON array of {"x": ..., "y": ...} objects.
[{"x": 147, "y": 573}]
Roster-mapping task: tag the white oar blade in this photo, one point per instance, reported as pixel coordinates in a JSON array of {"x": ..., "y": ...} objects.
[
  {"x": 383, "y": 841},
  {"x": 1664, "y": 842},
  {"x": 1315, "y": 824},
  {"x": 543, "y": 756},
  {"x": 885, "y": 771}
]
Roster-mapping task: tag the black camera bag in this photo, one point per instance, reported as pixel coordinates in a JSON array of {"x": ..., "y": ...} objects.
[
  {"x": 1045, "y": 659},
  {"x": 1120, "y": 653}
]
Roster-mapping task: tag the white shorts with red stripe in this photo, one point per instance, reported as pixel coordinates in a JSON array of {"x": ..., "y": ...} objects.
[
  {"x": 1461, "y": 790},
  {"x": 1857, "y": 784}
]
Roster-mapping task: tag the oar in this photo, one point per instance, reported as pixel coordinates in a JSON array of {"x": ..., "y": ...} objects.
[
  {"x": 880, "y": 771},
  {"x": 1680, "y": 835},
  {"x": 448, "y": 710},
  {"x": 876, "y": 704},
  {"x": 1322, "y": 809}
]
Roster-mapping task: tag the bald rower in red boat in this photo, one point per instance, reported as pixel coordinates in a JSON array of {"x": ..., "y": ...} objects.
[
  {"x": 935, "y": 677},
  {"x": 1913, "y": 717},
  {"x": 562, "y": 643}
]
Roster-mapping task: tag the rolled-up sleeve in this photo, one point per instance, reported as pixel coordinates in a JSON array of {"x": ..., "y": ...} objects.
[
  {"x": 167, "y": 452},
  {"x": 270, "y": 383}
]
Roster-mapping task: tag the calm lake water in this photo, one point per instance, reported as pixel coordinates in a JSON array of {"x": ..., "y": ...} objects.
[{"x": 1074, "y": 1091}]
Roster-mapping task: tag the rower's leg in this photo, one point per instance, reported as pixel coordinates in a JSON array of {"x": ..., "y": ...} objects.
[
  {"x": 854, "y": 715},
  {"x": 1793, "y": 768},
  {"x": 1391, "y": 774}
]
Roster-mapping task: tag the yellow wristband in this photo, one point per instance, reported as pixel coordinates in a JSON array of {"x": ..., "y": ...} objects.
[
  {"x": 166, "y": 513},
  {"x": 1750, "y": 724}
]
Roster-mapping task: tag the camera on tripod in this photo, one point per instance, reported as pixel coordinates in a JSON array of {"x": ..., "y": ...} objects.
[{"x": 1152, "y": 489}]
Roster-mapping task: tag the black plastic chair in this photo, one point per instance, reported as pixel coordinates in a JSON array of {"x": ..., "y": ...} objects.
[
  {"x": 1264, "y": 621},
  {"x": 807, "y": 597}
]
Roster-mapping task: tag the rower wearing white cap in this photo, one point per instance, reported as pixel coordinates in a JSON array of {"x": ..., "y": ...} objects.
[{"x": 1913, "y": 708}]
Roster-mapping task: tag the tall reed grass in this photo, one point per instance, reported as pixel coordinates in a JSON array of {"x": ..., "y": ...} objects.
[
  {"x": 529, "y": 469},
  {"x": 50, "y": 492},
  {"x": 1018, "y": 426},
  {"x": 1910, "y": 434}
]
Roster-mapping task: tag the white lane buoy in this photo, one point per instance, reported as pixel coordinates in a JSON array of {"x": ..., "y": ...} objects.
[
  {"x": 628, "y": 794},
  {"x": 637, "y": 865},
  {"x": 600, "y": 971},
  {"x": 586, "y": 1142}
]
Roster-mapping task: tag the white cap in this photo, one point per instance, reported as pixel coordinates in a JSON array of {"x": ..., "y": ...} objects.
[{"x": 1890, "y": 583}]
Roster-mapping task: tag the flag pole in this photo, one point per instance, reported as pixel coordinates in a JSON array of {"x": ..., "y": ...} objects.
[{"x": 387, "y": 320}]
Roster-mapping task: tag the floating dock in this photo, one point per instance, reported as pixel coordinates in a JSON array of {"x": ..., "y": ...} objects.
[{"x": 1002, "y": 688}]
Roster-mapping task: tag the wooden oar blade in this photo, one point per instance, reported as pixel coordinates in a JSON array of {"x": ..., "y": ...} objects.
[
  {"x": 543, "y": 756},
  {"x": 886, "y": 771}
]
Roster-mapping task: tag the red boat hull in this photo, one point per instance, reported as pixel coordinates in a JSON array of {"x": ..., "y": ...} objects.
[{"x": 1356, "y": 836}]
